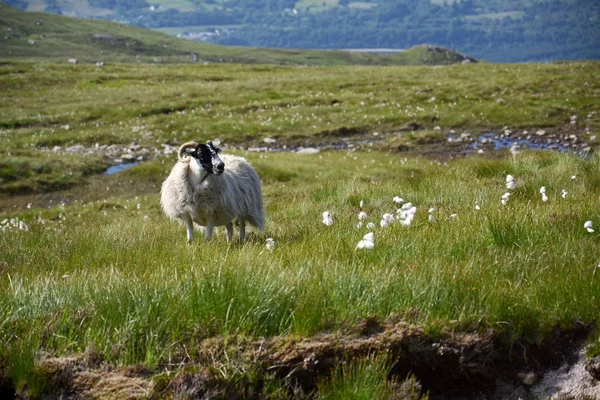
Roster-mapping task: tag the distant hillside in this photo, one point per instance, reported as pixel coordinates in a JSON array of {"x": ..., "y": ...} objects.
[
  {"x": 54, "y": 37},
  {"x": 494, "y": 30}
]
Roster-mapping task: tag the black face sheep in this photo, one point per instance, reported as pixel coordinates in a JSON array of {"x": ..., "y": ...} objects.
[{"x": 210, "y": 191}]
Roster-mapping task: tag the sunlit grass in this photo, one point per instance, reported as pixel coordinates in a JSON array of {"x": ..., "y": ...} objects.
[
  {"x": 109, "y": 274},
  {"x": 120, "y": 279},
  {"x": 361, "y": 379}
]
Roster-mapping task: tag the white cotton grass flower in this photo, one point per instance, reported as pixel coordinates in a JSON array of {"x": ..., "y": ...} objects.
[
  {"x": 431, "y": 218},
  {"x": 563, "y": 194},
  {"x": 386, "y": 220},
  {"x": 543, "y": 193},
  {"x": 362, "y": 216},
  {"x": 406, "y": 216},
  {"x": 505, "y": 198},
  {"x": 327, "y": 218},
  {"x": 573, "y": 177},
  {"x": 367, "y": 242},
  {"x": 510, "y": 182},
  {"x": 477, "y": 207},
  {"x": 406, "y": 206},
  {"x": 398, "y": 199},
  {"x": 362, "y": 204},
  {"x": 388, "y": 217},
  {"x": 588, "y": 226},
  {"x": 270, "y": 244},
  {"x": 371, "y": 225}
]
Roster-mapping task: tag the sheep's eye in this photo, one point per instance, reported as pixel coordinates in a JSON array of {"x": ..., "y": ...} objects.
[{"x": 217, "y": 150}]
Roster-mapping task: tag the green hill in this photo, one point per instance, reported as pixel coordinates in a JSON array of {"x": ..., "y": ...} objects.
[
  {"x": 41, "y": 35},
  {"x": 494, "y": 30}
]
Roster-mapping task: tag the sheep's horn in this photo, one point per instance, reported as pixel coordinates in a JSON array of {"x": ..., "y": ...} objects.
[{"x": 183, "y": 148}]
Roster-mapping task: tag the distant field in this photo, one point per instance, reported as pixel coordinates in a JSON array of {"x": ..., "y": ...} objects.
[
  {"x": 442, "y": 2},
  {"x": 316, "y": 4},
  {"x": 196, "y": 28},
  {"x": 508, "y": 14},
  {"x": 182, "y": 5},
  {"x": 362, "y": 5}
]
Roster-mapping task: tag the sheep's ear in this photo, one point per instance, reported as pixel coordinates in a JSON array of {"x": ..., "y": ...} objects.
[{"x": 190, "y": 151}]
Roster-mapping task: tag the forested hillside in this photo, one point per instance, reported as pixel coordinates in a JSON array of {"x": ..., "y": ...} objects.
[{"x": 495, "y": 30}]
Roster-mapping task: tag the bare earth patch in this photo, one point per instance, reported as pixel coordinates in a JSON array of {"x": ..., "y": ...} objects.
[{"x": 448, "y": 366}]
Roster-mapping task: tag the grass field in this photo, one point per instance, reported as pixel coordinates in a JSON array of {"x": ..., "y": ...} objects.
[{"x": 95, "y": 278}]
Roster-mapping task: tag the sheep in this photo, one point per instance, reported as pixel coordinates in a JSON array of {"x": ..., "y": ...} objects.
[{"x": 201, "y": 190}]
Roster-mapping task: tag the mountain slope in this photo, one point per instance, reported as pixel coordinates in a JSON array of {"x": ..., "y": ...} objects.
[
  {"x": 495, "y": 30},
  {"x": 54, "y": 37}
]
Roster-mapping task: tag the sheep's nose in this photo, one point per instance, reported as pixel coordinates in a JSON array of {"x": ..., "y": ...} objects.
[{"x": 220, "y": 168}]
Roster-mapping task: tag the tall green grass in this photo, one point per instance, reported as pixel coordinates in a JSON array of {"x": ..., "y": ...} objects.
[
  {"x": 362, "y": 379},
  {"x": 120, "y": 280}
]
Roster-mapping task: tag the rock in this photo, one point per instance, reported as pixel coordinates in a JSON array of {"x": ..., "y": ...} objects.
[
  {"x": 102, "y": 36},
  {"x": 528, "y": 378},
  {"x": 128, "y": 157},
  {"x": 258, "y": 149},
  {"x": 592, "y": 365},
  {"x": 78, "y": 148},
  {"x": 168, "y": 149},
  {"x": 308, "y": 150},
  {"x": 269, "y": 140},
  {"x": 412, "y": 126}
]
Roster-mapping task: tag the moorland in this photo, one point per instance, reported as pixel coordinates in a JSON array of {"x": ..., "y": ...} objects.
[{"x": 481, "y": 294}]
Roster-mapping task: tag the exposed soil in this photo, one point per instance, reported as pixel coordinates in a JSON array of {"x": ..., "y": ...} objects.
[
  {"x": 439, "y": 144},
  {"x": 448, "y": 366}
]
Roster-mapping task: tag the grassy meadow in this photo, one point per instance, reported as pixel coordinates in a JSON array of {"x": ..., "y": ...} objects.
[{"x": 90, "y": 266}]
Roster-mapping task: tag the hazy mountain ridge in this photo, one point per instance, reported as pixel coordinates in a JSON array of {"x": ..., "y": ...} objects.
[
  {"x": 34, "y": 35},
  {"x": 497, "y": 30}
]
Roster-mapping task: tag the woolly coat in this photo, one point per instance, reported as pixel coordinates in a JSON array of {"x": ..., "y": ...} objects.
[{"x": 236, "y": 194}]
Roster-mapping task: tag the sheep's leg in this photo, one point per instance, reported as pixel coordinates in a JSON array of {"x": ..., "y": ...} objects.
[
  {"x": 229, "y": 236},
  {"x": 209, "y": 231},
  {"x": 189, "y": 225},
  {"x": 242, "y": 230}
]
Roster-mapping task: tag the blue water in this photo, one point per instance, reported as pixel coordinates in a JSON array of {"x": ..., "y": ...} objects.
[
  {"x": 507, "y": 142},
  {"x": 119, "y": 167}
]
